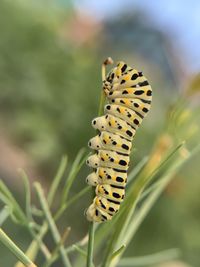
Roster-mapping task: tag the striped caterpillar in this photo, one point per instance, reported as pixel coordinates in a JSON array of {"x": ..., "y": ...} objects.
[{"x": 129, "y": 96}]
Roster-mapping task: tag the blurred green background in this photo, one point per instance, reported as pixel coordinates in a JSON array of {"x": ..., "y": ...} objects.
[{"x": 50, "y": 84}]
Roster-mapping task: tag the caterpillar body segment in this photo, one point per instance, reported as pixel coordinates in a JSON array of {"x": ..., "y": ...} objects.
[
  {"x": 109, "y": 141},
  {"x": 105, "y": 205},
  {"x": 144, "y": 94},
  {"x": 111, "y": 192},
  {"x": 94, "y": 213},
  {"x": 114, "y": 125},
  {"x": 130, "y": 116},
  {"x": 129, "y": 97},
  {"x": 104, "y": 175},
  {"x": 109, "y": 159},
  {"x": 136, "y": 105}
]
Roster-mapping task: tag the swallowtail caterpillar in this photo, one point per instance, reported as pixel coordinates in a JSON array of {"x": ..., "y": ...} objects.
[{"x": 129, "y": 97}]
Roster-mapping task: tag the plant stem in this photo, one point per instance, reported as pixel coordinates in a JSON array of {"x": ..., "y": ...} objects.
[
  {"x": 90, "y": 245},
  {"x": 15, "y": 249},
  {"x": 102, "y": 101}
]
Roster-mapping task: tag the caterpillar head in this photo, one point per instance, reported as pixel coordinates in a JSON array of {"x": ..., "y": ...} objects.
[{"x": 114, "y": 75}]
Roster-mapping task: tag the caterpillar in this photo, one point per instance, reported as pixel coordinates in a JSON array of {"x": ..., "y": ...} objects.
[{"x": 129, "y": 97}]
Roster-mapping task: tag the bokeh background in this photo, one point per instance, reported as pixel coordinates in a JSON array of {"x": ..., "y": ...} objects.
[{"x": 50, "y": 83}]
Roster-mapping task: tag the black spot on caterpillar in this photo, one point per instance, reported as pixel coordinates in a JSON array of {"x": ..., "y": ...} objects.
[
  {"x": 124, "y": 68},
  {"x": 129, "y": 95}
]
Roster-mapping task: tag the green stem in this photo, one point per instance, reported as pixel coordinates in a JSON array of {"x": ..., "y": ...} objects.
[
  {"x": 15, "y": 250},
  {"x": 90, "y": 245},
  {"x": 102, "y": 102}
]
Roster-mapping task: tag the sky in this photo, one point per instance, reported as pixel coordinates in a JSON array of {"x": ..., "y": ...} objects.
[{"x": 177, "y": 18}]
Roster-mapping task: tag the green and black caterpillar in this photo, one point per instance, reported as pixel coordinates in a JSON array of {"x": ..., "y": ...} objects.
[{"x": 129, "y": 97}]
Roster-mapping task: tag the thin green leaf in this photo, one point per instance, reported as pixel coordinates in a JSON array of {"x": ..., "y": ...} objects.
[
  {"x": 55, "y": 252},
  {"x": 44, "y": 227},
  {"x": 37, "y": 244},
  {"x": 80, "y": 250},
  {"x": 7, "y": 197},
  {"x": 36, "y": 212},
  {"x": 7, "y": 202},
  {"x": 77, "y": 164},
  {"x": 117, "y": 252},
  {"x": 71, "y": 201},
  {"x": 15, "y": 249},
  {"x": 136, "y": 219},
  {"x": 124, "y": 218},
  {"x": 135, "y": 171},
  {"x": 27, "y": 194},
  {"x": 103, "y": 229},
  {"x": 139, "y": 215},
  {"x": 156, "y": 258},
  {"x": 52, "y": 226},
  {"x": 149, "y": 190},
  {"x": 57, "y": 179},
  {"x": 4, "y": 214}
]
